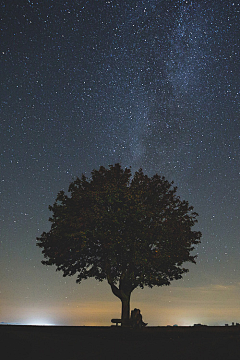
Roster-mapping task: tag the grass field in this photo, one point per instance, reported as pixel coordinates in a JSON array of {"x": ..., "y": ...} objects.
[{"x": 75, "y": 343}]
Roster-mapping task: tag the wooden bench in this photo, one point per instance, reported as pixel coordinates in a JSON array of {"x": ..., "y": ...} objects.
[{"x": 116, "y": 321}]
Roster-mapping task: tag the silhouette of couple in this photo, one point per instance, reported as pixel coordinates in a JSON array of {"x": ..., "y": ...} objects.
[{"x": 136, "y": 319}]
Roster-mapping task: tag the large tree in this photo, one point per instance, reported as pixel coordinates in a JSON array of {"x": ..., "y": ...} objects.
[{"x": 131, "y": 231}]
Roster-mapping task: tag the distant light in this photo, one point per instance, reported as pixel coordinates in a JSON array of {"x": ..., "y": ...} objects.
[{"x": 39, "y": 322}]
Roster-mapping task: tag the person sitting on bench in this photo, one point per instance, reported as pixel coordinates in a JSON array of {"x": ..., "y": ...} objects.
[{"x": 136, "y": 319}]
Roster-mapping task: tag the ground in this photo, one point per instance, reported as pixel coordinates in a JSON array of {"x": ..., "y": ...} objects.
[{"x": 115, "y": 343}]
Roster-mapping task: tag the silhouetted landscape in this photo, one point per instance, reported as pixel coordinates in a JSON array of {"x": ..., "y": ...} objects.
[
  {"x": 60, "y": 342},
  {"x": 104, "y": 104}
]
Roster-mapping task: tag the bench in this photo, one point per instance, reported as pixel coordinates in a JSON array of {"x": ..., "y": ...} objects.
[{"x": 116, "y": 321}]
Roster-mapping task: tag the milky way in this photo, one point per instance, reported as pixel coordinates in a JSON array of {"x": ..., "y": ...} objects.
[{"x": 151, "y": 84}]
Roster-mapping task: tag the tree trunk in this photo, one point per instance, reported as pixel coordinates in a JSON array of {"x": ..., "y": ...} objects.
[
  {"x": 125, "y": 309},
  {"x": 123, "y": 293}
]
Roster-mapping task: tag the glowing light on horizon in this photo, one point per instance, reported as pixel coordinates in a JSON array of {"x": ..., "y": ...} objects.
[{"x": 39, "y": 322}]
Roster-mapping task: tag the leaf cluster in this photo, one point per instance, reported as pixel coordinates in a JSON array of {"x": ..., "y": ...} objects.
[{"x": 131, "y": 230}]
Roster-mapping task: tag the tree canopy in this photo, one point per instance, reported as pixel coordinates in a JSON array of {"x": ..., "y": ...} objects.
[{"x": 133, "y": 231}]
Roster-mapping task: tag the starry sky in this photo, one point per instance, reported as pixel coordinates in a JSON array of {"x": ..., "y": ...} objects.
[{"x": 147, "y": 83}]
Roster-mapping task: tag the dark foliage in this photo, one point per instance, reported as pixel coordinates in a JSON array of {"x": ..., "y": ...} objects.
[{"x": 131, "y": 231}]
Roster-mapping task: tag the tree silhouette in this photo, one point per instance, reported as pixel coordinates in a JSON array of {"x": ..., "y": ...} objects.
[{"x": 131, "y": 231}]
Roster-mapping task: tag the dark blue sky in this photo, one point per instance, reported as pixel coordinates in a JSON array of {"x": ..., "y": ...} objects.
[{"x": 151, "y": 84}]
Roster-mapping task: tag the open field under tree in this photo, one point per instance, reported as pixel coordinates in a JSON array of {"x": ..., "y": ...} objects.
[{"x": 75, "y": 343}]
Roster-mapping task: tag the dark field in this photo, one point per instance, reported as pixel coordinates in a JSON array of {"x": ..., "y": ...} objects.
[{"x": 72, "y": 343}]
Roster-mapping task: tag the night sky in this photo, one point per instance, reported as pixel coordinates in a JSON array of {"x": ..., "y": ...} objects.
[{"x": 152, "y": 84}]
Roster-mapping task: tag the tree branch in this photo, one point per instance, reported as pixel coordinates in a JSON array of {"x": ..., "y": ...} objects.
[{"x": 115, "y": 290}]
